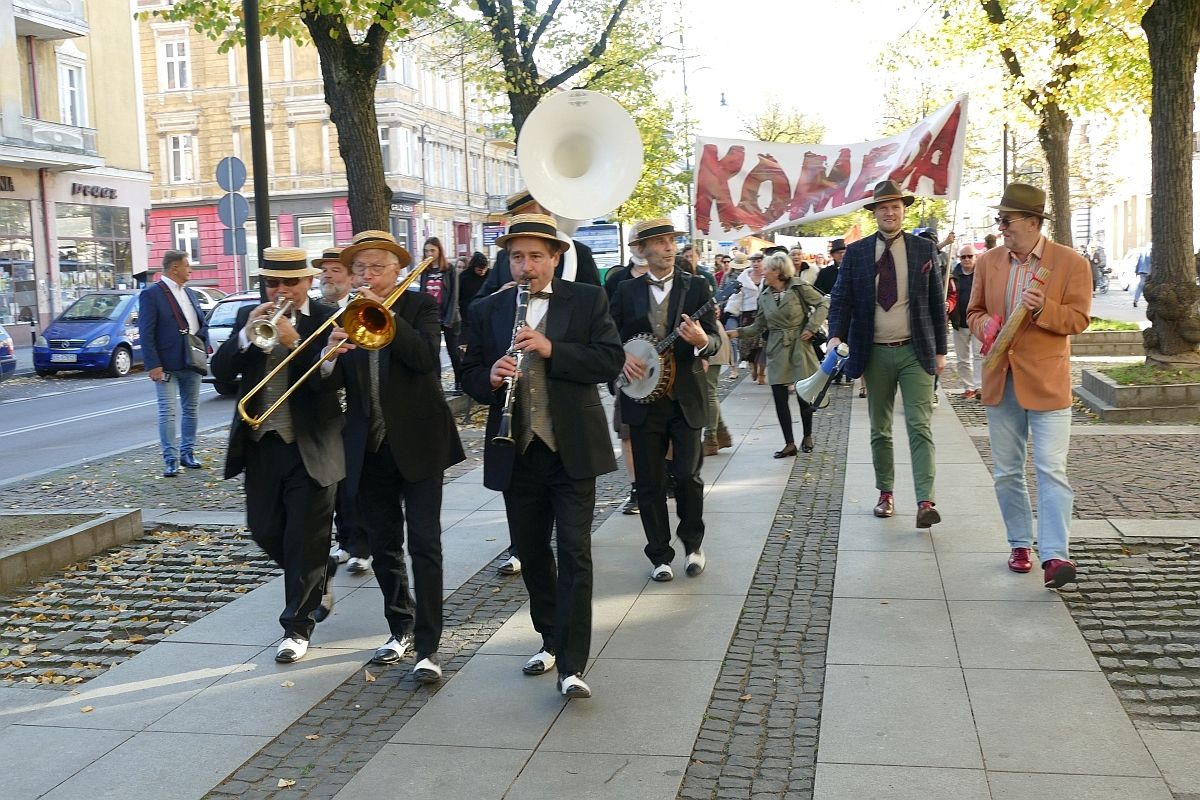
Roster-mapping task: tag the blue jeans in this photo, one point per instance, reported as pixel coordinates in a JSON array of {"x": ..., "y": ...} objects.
[
  {"x": 179, "y": 388},
  {"x": 1139, "y": 283},
  {"x": 1009, "y": 428}
]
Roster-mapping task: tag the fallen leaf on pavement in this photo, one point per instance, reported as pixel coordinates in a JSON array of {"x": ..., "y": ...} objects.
[
  {"x": 285, "y": 783},
  {"x": 26, "y": 649},
  {"x": 287, "y": 684},
  {"x": 370, "y": 678},
  {"x": 312, "y": 737},
  {"x": 87, "y": 709},
  {"x": 745, "y": 697}
]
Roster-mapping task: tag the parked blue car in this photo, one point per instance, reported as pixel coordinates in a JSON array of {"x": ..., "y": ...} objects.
[
  {"x": 8, "y": 357},
  {"x": 97, "y": 333}
]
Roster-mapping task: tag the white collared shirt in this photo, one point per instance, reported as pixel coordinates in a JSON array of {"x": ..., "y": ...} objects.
[
  {"x": 538, "y": 306},
  {"x": 660, "y": 292},
  {"x": 244, "y": 340},
  {"x": 185, "y": 304}
]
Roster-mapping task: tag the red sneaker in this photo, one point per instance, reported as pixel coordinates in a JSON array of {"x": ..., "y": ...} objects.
[
  {"x": 1058, "y": 573},
  {"x": 1019, "y": 560}
]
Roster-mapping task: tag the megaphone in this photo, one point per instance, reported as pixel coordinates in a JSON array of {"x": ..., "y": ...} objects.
[{"x": 813, "y": 389}]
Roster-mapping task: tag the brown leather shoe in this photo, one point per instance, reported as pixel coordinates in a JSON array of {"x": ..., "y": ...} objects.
[
  {"x": 724, "y": 439},
  {"x": 927, "y": 515},
  {"x": 886, "y": 507},
  {"x": 1019, "y": 560},
  {"x": 1057, "y": 573},
  {"x": 710, "y": 444}
]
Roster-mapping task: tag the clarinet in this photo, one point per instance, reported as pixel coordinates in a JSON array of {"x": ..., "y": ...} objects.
[{"x": 504, "y": 429}]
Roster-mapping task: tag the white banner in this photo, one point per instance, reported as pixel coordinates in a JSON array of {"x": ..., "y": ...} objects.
[{"x": 794, "y": 183}]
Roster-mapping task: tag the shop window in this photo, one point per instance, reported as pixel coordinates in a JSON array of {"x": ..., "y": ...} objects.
[
  {"x": 94, "y": 250},
  {"x": 18, "y": 287},
  {"x": 187, "y": 238}
]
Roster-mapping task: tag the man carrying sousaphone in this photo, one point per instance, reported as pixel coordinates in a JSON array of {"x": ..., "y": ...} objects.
[
  {"x": 662, "y": 301},
  {"x": 294, "y": 459},
  {"x": 559, "y": 438}
]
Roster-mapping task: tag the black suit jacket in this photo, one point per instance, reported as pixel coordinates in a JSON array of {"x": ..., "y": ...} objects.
[
  {"x": 631, "y": 311},
  {"x": 316, "y": 414},
  {"x": 587, "y": 351},
  {"x": 421, "y": 431},
  {"x": 586, "y": 271}
]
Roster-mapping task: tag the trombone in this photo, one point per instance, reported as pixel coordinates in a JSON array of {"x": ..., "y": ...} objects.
[{"x": 368, "y": 324}]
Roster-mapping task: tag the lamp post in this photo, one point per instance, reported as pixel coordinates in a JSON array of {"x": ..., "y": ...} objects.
[
  {"x": 258, "y": 134},
  {"x": 687, "y": 130}
]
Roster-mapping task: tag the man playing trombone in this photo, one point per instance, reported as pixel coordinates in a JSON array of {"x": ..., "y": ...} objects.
[
  {"x": 293, "y": 460},
  {"x": 556, "y": 439},
  {"x": 402, "y": 433}
]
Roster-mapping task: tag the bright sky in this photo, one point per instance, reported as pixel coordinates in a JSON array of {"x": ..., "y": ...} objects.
[{"x": 817, "y": 56}]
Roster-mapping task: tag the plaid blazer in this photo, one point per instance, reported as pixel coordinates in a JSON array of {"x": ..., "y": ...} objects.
[{"x": 852, "y": 304}]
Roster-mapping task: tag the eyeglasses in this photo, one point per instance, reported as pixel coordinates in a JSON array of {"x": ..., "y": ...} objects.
[
  {"x": 274, "y": 282},
  {"x": 374, "y": 269},
  {"x": 1004, "y": 222},
  {"x": 967, "y": 255}
]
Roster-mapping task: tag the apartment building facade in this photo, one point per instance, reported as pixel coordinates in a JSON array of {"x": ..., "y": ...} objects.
[
  {"x": 74, "y": 192},
  {"x": 447, "y": 173}
]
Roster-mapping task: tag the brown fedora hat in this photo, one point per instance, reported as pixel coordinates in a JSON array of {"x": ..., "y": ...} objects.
[
  {"x": 889, "y": 190},
  {"x": 1024, "y": 199}
]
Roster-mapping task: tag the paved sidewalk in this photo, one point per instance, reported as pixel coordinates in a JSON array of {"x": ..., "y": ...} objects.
[{"x": 926, "y": 690}]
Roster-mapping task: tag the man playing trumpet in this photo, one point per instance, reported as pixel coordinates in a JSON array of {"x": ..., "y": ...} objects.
[
  {"x": 559, "y": 438},
  {"x": 1027, "y": 389},
  {"x": 293, "y": 460}
]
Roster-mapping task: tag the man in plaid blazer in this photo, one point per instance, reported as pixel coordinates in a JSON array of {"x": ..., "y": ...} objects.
[{"x": 889, "y": 304}]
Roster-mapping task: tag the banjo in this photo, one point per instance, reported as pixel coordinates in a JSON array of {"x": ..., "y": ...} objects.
[{"x": 659, "y": 375}]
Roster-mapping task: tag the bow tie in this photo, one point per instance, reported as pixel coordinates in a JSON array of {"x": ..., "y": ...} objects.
[
  {"x": 543, "y": 295},
  {"x": 657, "y": 283}
]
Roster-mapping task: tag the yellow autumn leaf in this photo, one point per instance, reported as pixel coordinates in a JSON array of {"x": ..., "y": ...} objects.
[
  {"x": 285, "y": 783},
  {"x": 370, "y": 678},
  {"x": 87, "y": 709}
]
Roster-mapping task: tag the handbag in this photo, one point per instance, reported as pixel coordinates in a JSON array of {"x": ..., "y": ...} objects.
[{"x": 194, "y": 349}]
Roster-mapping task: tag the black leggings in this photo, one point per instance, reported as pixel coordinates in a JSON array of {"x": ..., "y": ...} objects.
[{"x": 780, "y": 392}]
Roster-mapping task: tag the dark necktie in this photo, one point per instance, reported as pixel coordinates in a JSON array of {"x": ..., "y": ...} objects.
[{"x": 885, "y": 268}]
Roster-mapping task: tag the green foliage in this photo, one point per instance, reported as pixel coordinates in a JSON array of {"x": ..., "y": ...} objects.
[
  {"x": 776, "y": 124},
  {"x": 1100, "y": 324},
  {"x": 1148, "y": 375}
]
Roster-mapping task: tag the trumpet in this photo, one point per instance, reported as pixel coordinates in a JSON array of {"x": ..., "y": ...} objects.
[
  {"x": 369, "y": 324},
  {"x": 504, "y": 428},
  {"x": 264, "y": 333}
]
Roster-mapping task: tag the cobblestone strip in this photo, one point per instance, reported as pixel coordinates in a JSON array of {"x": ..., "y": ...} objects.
[
  {"x": 759, "y": 736},
  {"x": 1138, "y": 607}
]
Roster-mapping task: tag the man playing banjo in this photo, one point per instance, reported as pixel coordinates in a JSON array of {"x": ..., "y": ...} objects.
[{"x": 658, "y": 303}]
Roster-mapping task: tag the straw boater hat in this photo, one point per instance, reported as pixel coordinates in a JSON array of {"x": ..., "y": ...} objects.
[
  {"x": 539, "y": 226},
  {"x": 286, "y": 262},
  {"x": 1024, "y": 199},
  {"x": 374, "y": 240},
  {"x": 330, "y": 254},
  {"x": 515, "y": 202},
  {"x": 650, "y": 228},
  {"x": 889, "y": 190}
]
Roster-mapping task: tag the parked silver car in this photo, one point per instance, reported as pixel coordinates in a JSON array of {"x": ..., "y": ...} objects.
[{"x": 220, "y": 325}]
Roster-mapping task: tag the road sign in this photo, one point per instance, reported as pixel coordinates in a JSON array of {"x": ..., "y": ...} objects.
[
  {"x": 233, "y": 210},
  {"x": 231, "y": 173},
  {"x": 234, "y": 240}
]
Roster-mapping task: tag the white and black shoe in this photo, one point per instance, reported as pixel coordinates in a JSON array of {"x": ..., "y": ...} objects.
[
  {"x": 695, "y": 563},
  {"x": 662, "y": 573},
  {"x": 510, "y": 566},
  {"x": 393, "y": 650},
  {"x": 340, "y": 555},
  {"x": 359, "y": 566},
  {"x": 428, "y": 669},
  {"x": 291, "y": 650},
  {"x": 326, "y": 608},
  {"x": 573, "y": 688},
  {"x": 630, "y": 506},
  {"x": 540, "y": 664}
]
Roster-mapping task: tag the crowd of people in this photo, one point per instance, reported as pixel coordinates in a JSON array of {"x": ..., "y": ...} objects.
[{"x": 357, "y": 434}]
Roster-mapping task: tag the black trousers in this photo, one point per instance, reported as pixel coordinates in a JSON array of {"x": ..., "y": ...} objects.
[
  {"x": 384, "y": 500},
  {"x": 451, "y": 337},
  {"x": 779, "y": 391},
  {"x": 349, "y": 537},
  {"x": 666, "y": 426},
  {"x": 289, "y": 517},
  {"x": 540, "y": 497}
]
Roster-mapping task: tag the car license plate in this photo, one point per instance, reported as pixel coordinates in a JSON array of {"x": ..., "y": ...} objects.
[{"x": 68, "y": 358}]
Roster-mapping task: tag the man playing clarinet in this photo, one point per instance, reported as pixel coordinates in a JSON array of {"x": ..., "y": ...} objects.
[{"x": 556, "y": 435}]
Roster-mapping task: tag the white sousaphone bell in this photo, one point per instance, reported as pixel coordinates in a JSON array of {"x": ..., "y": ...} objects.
[{"x": 580, "y": 155}]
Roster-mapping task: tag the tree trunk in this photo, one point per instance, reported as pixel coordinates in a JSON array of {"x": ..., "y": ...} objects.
[
  {"x": 1173, "y": 33},
  {"x": 1054, "y": 134},
  {"x": 350, "y": 72},
  {"x": 521, "y": 105}
]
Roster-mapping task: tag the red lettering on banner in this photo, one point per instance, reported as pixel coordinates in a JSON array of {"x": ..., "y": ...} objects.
[
  {"x": 815, "y": 187},
  {"x": 767, "y": 170},
  {"x": 712, "y": 186},
  {"x": 874, "y": 169},
  {"x": 932, "y": 159}
]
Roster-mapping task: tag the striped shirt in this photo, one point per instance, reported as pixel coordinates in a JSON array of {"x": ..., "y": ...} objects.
[{"x": 1020, "y": 275}]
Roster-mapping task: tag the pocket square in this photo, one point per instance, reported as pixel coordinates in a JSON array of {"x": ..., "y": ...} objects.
[{"x": 928, "y": 265}]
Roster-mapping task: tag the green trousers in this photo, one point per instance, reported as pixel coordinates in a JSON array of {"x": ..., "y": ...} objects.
[
  {"x": 887, "y": 367},
  {"x": 714, "y": 404}
]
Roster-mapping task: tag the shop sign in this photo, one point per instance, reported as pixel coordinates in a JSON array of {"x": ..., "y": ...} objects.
[
  {"x": 6, "y": 184},
  {"x": 491, "y": 232},
  {"x": 93, "y": 191},
  {"x": 403, "y": 208}
]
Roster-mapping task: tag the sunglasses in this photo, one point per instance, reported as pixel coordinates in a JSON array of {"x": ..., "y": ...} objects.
[
  {"x": 967, "y": 255},
  {"x": 274, "y": 282},
  {"x": 1004, "y": 222}
]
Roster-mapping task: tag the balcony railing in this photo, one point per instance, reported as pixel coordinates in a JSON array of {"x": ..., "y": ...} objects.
[
  {"x": 50, "y": 19},
  {"x": 60, "y": 138}
]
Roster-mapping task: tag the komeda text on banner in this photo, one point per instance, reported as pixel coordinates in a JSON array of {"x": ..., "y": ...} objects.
[{"x": 795, "y": 183}]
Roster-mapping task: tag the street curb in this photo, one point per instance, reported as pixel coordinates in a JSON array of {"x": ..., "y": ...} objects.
[{"x": 24, "y": 563}]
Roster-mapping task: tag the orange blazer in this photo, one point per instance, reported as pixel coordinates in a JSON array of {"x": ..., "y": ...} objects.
[{"x": 1040, "y": 355}]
